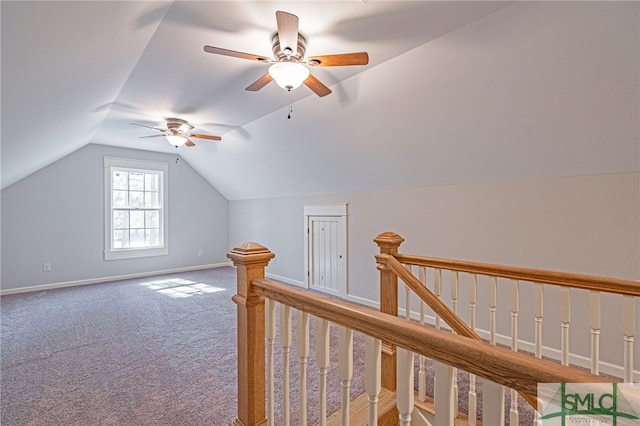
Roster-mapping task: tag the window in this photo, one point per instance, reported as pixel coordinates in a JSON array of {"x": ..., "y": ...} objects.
[{"x": 135, "y": 208}]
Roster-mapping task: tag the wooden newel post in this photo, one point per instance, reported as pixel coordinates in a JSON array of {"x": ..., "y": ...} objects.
[
  {"x": 250, "y": 260},
  {"x": 388, "y": 242}
]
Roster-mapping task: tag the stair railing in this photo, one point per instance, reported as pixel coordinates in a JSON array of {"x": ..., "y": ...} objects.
[
  {"x": 393, "y": 265},
  {"x": 499, "y": 365}
]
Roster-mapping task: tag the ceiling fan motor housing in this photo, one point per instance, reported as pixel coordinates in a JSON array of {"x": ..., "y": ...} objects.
[
  {"x": 178, "y": 125},
  {"x": 279, "y": 52}
]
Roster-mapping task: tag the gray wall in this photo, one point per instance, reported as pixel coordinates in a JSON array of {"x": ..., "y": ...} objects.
[
  {"x": 587, "y": 224},
  {"x": 56, "y": 215}
]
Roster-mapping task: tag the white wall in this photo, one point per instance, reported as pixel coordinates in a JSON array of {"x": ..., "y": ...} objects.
[
  {"x": 512, "y": 140},
  {"x": 584, "y": 224},
  {"x": 56, "y": 216}
]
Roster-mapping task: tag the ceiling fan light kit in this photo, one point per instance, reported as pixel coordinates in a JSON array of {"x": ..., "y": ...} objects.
[
  {"x": 176, "y": 141},
  {"x": 289, "y": 75}
]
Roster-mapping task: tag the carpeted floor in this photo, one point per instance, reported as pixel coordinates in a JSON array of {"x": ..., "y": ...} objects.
[{"x": 147, "y": 351}]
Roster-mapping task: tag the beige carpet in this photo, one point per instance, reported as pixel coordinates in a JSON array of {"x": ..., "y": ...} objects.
[{"x": 148, "y": 351}]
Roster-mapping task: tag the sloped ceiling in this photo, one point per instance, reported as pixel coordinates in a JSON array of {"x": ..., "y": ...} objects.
[{"x": 454, "y": 92}]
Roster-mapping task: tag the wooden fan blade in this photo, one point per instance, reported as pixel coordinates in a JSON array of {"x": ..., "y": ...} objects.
[
  {"x": 316, "y": 85},
  {"x": 149, "y": 127},
  {"x": 287, "y": 31},
  {"x": 260, "y": 83},
  {"x": 342, "y": 59},
  {"x": 235, "y": 54},
  {"x": 189, "y": 143},
  {"x": 213, "y": 138},
  {"x": 153, "y": 136}
]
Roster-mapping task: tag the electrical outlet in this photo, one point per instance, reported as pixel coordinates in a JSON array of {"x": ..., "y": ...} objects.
[
  {"x": 200, "y": 253},
  {"x": 46, "y": 267}
]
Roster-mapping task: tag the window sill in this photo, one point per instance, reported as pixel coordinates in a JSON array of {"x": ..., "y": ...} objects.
[{"x": 135, "y": 253}]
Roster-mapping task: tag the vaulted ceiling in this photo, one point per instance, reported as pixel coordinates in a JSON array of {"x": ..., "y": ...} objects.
[{"x": 449, "y": 87}]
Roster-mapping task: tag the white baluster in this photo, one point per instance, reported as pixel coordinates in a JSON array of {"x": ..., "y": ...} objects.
[
  {"x": 492, "y": 404},
  {"x": 372, "y": 371},
  {"x": 270, "y": 334},
  {"x": 407, "y": 297},
  {"x": 594, "y": 320},
  {"x": 493, "y": 301},
  {"x": 473, "y": 397},
  {"x": 302, "y": 347},
  {"x": 322, "y": 360},
  {"x": 514, "y": 415},
  {"x": 345, "y": 367},
  {"x": 285, "y": 342},
  {"x": 437, "y": 289},
  {"x": 628, "y": 330},
  {"x": 565, "y": 320},
  {"x": 443, "y": 395},
  {"x": 455, "y": 288},
  {"x": 422, "y": 360},
  {"x": 404, "y": 385},
  {"x": 538, "y": 311},
  {"x": 538, "y": 308}
]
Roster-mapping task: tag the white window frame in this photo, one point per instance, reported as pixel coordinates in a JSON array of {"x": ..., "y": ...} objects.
[{"x": 111, "y": 164}]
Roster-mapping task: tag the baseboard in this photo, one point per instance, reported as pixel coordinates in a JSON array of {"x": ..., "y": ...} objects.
[
  {"x": 362, "y": 301},
  {"x": 284, "y": 280},
  {"x": 107, "y": 279},
  {"x": 501, "y": 339}
]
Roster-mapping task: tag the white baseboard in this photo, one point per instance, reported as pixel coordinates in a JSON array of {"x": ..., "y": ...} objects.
[
  {"x": 556, "y": 354},
  {"x": 107, "y": 279},
  {"x": 285, "y": 280}
]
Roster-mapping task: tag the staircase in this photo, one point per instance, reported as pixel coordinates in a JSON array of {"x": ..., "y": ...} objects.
[{"x": 434, "y": 331}]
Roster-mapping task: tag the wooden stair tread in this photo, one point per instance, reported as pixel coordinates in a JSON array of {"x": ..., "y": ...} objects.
[
  {"x": 428, "y": 407},
  {"x": 359, "y": 409}
]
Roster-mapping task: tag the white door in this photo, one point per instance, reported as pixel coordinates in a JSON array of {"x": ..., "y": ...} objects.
[
  {"x": 326, "y": 247},
  {"x": 325, "y": 256}
]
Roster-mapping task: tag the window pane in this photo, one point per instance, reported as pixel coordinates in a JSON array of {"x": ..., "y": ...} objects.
[
  {"x": 136, "y": 238},
  {"x": 119, "y": 198},
  {"x": 151, "y": 200},
  {"x": 136, "y": 199},
  {"x": 121, "y": 239},
  {"x": 151, "y": 182},
  {"x": 120, "y": 180},
  {"x": 152, "y": 237},
  {"x": 137, "y": 220},
  {"x": 152, "y": 219},
  {"x": 120, "y": 219},
  {"x": 136, "y": 181}
]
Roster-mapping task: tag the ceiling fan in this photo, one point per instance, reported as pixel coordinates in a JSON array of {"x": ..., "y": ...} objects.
[
  {"x": 289, "y": 47},
  {"x": 178, "y": 133}
]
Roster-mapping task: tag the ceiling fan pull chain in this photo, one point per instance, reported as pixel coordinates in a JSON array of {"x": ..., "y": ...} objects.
[{"x": 290, "y": 104}]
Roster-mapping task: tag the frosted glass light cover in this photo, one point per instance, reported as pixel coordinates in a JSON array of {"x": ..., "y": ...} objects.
[{"x": 289, "y": 75}]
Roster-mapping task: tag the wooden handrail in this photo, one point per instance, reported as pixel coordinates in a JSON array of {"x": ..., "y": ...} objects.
[
  {"x": 438, "y": 307},
  {"x": 587, "y": 282},
  {"x": 500, "y": 365}
]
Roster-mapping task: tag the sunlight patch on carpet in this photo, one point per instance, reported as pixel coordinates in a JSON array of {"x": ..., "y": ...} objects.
[{"x": 178, "y": 287}]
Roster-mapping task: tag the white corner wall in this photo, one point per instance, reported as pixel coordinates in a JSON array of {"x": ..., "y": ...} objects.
[{"x": 56, "y": 216}]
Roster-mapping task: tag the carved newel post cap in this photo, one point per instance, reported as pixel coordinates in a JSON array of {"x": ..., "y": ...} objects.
[
  {"x": 250, "y": 253},
  {"x": 388, "y": 239}
]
